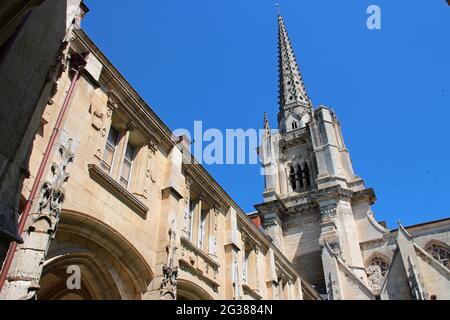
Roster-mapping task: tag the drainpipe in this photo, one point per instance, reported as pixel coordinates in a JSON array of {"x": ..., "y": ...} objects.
[{"x": 77, "y": 63}]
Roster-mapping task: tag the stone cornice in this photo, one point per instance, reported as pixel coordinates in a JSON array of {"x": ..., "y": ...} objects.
[
  {"x": 112, "y": 79},
  {"x": 205, "y": 185},
  {"x": 367, "y": 194},
  {"x": 136, "y": 121},
  {"x": 335, "y": 192},
  {"x": 310, "y": 201},
  {"x": 276, "y": 206}
]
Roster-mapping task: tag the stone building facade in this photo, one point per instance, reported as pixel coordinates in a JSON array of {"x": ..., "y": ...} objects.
[
  {"x": 318, "y": 212},
  {"x": 123, "y": 204},
  {"x": 120, "y": 202}
]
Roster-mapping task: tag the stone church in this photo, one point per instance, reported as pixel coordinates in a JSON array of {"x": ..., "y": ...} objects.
[{"x": 113, "y": 206}]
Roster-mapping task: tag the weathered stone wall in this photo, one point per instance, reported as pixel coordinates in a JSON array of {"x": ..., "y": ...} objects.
[
  {"x": 301, "y": 244},
  {"x": 28, "y": 65}
]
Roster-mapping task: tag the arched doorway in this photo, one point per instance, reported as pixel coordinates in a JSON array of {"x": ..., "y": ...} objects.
[{"x": 107, "y": 265}]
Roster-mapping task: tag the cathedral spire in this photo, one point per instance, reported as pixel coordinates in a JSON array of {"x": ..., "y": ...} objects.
[{"x": 293, "y": 95}]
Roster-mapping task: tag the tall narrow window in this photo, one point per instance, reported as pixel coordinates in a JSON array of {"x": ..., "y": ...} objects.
[
  {"x": 292, "y": 179},
  {"x": 127, "y": 166},
  {"x": 300, "y": 176},
  {"x": 202, "y": 229},
  {"x": 294, "y": 125},
  {"x": 306, "y": 175},
  {"x": 110, "y": 150},
  {"x": 190, "y": 208},
  {"x": 245, "y": 276}
]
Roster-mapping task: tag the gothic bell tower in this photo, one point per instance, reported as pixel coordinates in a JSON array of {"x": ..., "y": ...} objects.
[{"x": 312, "y": 197}]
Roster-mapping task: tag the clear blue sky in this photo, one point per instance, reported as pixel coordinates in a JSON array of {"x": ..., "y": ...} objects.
[{"x": 216, "y": 61}]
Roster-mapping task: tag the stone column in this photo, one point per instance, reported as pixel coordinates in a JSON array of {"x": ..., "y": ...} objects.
[
  {"x": 26, "y": 270},
  {"x": 245, "y": 259},
  {"x": 257, "y": 268},
  {"x": 166, "y": 271},
  {"x": 273, "y": 226},
  {"x": 237, "y": 288},
  {"x": 272, "y": 280},
  {"x": 188, "y": 219},
  {"x": 232, "y": 248},
  {"x": 213, "y": 220},
  {"x": 168, "y": 290}
]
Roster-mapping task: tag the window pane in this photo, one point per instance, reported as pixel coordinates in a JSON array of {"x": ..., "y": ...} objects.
[
  {"x": 109, "y": 155},
  {"x": 130, "y": 153},
  {"x": 124, "y": 182},
  {"x": 105, "y": 167},
  {"x": 202, "y": 229},
  {"x": 126, "y": 171},
  {"x": 113, "y": 136},
  {"x": 110, "y": 149},
  {"x": 127, "y": 165}
]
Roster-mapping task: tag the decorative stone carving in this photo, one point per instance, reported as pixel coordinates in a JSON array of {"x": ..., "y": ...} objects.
[
  {"x": 189, "y": 182},
  {"x": 113, "y": 103},
  {"x": 23, "y": 279},
  {"x": 328, "y": 212},
  {"x": 97, "y": 117},
  {"x": 56, "y": 71},
  {"x": 375, "y": 277},
  {"x": 52, "y": 193},
  {"x": 152, "y": 147},
  {"x": 168, "y": 290}
]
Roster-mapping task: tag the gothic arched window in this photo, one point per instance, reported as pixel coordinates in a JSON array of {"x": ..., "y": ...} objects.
[
  {"x": 293, "y": 178},
  {"x": 300, "y": 176},
  {"x": 381, "y": 263},
  {"x": 441, "y": 253},
  {"x": 306, "y": 174}
]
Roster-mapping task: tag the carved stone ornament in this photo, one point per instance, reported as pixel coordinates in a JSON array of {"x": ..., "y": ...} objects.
[
  {"x": 52, "y": 193},
  {"x": 189, "y": 182},
  {"x": 328, "y": 212},
  {"x": 113, "y": 102},
  {"x": 97, "y": 117},
  {"x": 375, "y": 277},
  {"x": 168, "y": 290},
  {"x": 56, "y": 71},
  {"x": 152, "y": 147}
]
